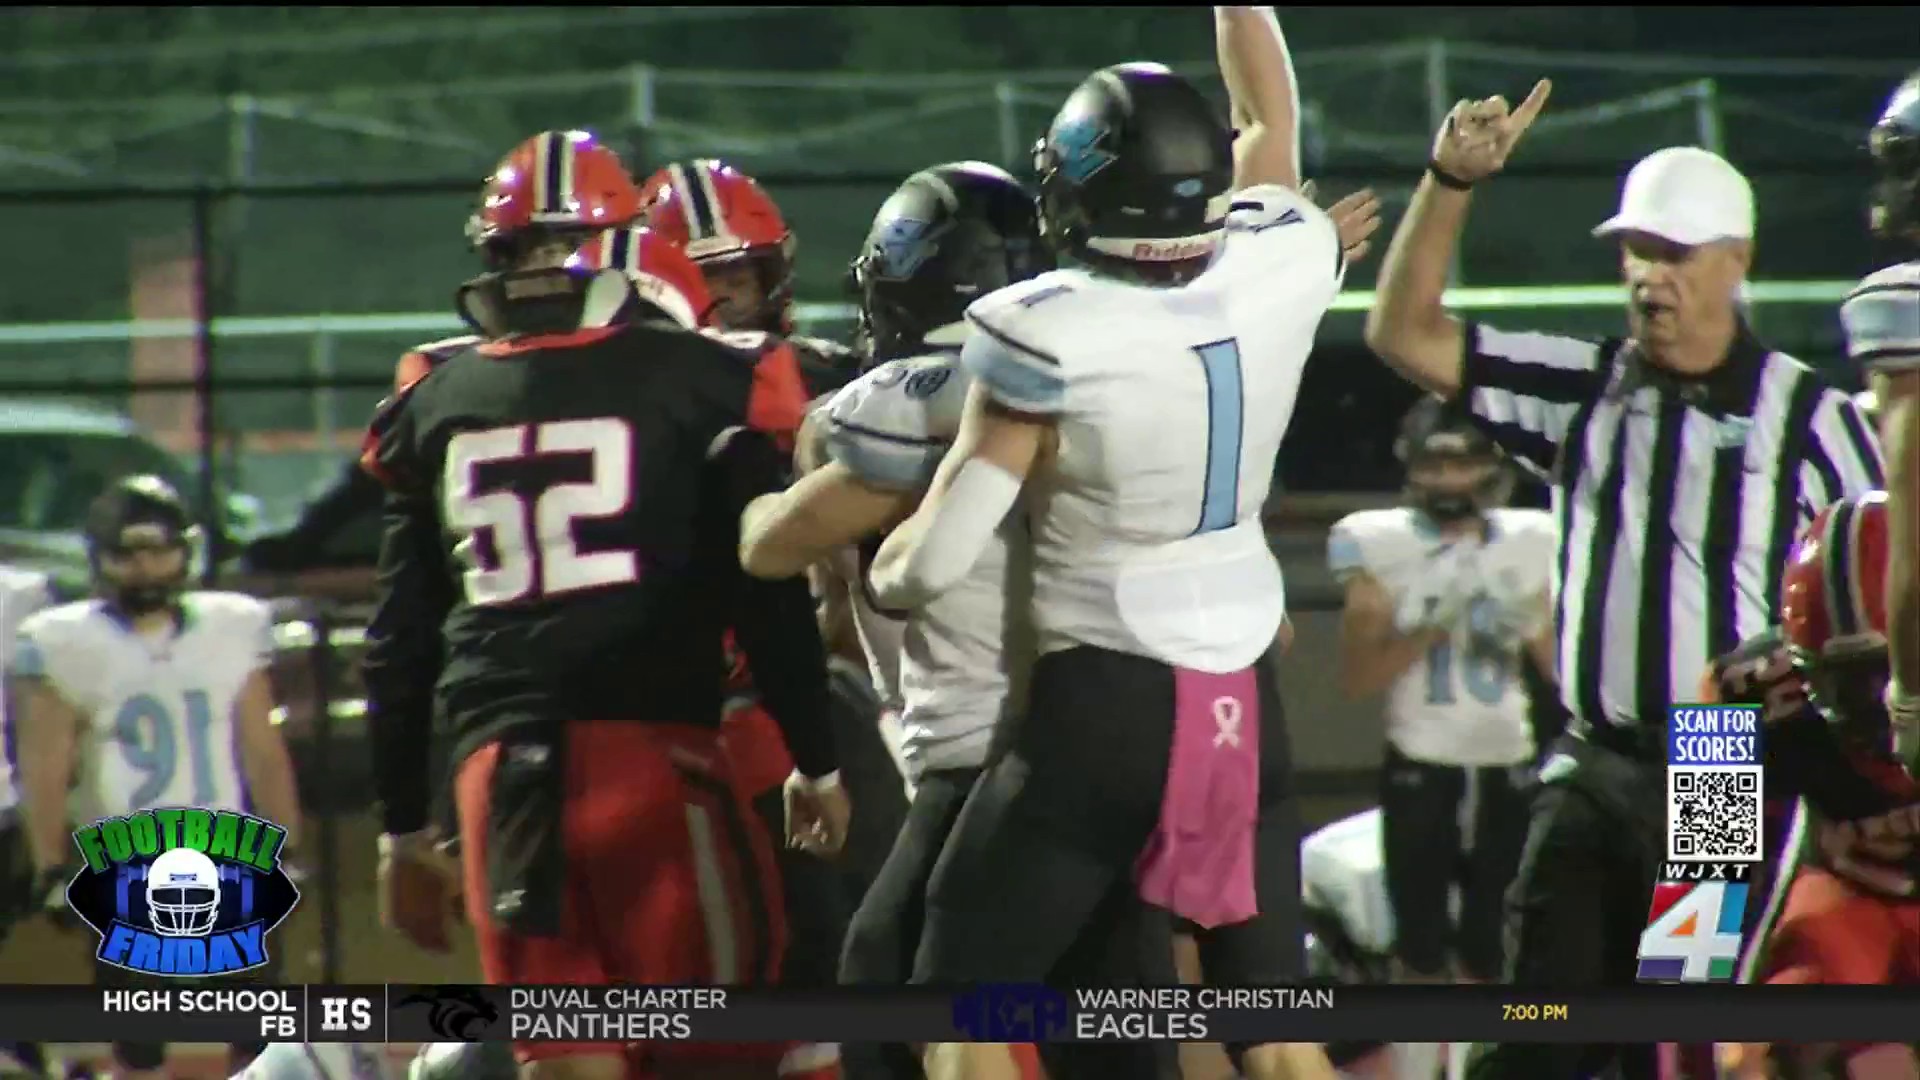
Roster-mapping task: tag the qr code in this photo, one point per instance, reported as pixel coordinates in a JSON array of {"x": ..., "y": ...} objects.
[{"x": 1713, "y": 814}]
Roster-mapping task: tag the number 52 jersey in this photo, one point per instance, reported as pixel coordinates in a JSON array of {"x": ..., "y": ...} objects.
[{"x": 158, "y": 712}]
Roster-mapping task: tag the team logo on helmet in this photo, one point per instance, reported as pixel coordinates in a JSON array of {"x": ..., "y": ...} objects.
[
  {"x": 182, "y": 892},
  {"x": 1077, "y": 142},
  {"x": 905, "y": 244}
]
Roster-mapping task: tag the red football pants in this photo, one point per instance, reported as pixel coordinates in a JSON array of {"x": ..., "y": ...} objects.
[{"x": 669, "y": 877}]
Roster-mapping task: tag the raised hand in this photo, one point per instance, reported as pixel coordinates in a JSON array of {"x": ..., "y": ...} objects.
[
  {"x": 1357, "y": 217},
  {"x": 1478, "y": 136}
]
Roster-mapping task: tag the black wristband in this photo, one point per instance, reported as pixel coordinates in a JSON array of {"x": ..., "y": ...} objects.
[{"x": 1446, "y": 179}]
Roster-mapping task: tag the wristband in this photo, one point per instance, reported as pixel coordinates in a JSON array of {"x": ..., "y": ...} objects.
[
  {"x": 389, "y": 843},
  {"x": 1446, "y": 179}
]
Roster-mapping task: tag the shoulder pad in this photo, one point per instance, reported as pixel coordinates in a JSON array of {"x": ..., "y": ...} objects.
[
  {"x": 1018, "y": 341},
  {"x": 892, "y": 425},
  {"x": 46, "y": 634},
  {"x": 1355, "y": 543},
  {"x": 380, "y": 453},
  {"x": 1882, "y": 318},
  {"x": 423, "y": 359}
]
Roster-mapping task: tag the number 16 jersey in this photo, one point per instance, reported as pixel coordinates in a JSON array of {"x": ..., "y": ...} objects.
[
  {"x": 158, "y": 712},
  {"x": 1170, "y": 404}
]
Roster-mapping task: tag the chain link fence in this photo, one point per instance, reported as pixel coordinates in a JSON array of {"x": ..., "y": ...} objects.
[{"x": 322, "y": 231}]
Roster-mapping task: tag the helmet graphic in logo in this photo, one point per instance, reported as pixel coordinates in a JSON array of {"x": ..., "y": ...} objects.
[{"x": 183, "y": 893}]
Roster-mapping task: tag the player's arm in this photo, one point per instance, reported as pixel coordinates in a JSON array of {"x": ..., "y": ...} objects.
[
  {"x": 403, "y": 662},
  {"x": 47, "y": 730},
  {"x": 1006, "y": 425},
  {"x": 1374, "y": 653},
  {"x": 1900, "y": 433},
  {"x": 414, "y": 592},
  {"x": 263, "y": 753},
  {"x": 1543, "y": 649},
  {"x": 1408, "y": 325},
  {"x": 865, "y": 478},
  {"x": 1264, "y": 93},
  {"x": 774, "y": 620}
]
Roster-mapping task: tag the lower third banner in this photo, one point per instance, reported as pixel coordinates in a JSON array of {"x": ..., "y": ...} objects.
[{"x": 446, "y": 1013}]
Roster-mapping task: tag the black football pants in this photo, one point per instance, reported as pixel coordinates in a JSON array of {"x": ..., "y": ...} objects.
[{"x": 1595, "y": 839}]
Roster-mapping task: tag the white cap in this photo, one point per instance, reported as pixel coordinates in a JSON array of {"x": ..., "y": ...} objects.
[{"x": 1686, "y": 195}]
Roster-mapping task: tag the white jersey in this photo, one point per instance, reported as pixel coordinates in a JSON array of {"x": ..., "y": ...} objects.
[
  {"x": 1462, "y": 703},
  {"x": 953, "y": 663},
  {"x": 1170, "y": 404},
  {"x": 320, "y": 1061},
  {"x": 1882, "y": 319},
  {"x": 159, "y": 711},
  {"x": 22, "y": 592}
]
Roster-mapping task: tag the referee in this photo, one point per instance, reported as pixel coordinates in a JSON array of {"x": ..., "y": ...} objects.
[{"x": 1685, "y": 458}]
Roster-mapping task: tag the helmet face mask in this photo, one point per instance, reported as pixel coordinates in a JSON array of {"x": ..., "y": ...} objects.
[
  {"x": 1454, "y": 485},
  {"x": 183, "y": 893},
  {"x": 1894, "y": 144},
  {"x": 141, "y": 544}
]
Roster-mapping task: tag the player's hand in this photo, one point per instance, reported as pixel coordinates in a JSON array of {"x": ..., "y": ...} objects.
[
  {"x": 419, "y": 889},
  {"x": 1357, "y": 217},
  {"x": 49, "y": 897},
  {"x": 1477, "y": 137},
  {"x": 818, "y": 814}
]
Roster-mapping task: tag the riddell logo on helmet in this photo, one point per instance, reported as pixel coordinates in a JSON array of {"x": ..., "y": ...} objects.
[
  {"x": 182, "y": 892},
  {"x": 1172, "y": 250}
]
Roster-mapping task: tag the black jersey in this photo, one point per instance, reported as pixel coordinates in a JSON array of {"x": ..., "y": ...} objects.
[{"x": 562, "y": 543}]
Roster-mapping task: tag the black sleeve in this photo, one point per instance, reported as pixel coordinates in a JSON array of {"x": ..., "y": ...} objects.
[
  {"x": 354, "y": 494},
  {"x": 774, "y": 620},
  {"x": 403, "y": 661}
]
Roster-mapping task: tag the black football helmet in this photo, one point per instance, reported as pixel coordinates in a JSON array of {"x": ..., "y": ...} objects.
[
  {"x": 948, "y": 236},
  {"x": 136, "y": 513},
  {"x": 1894, "y": 143},
  {"x": 1434, "y": 431},
  {"x": 1134, "y": 174}
]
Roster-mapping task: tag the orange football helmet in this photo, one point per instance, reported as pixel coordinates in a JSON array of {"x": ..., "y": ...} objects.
[
  {"x": 1834, "y": 612},
  {"x": 555, "y": 181},
  {"x": 660, "y": 272},
  {"x": 723, "y": 217}
]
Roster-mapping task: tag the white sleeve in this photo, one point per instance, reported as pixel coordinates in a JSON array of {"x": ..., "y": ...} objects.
[
  {"x": 1010, "y": 348},
  {"x": 892, "y": 426},
  {"x": 1274, "y": 230},
  {"x": 254, "y": 628},
  {"x": 1882, "y": 320}
]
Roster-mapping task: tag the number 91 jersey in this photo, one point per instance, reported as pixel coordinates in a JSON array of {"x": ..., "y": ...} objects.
[
  {"x": 1170, "y": 404},
  {"x": 1461, "y": 704},
  {"x": 159, "y": 713}
]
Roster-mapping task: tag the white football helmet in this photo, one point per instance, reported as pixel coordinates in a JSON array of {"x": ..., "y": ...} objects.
[{"x": 183, "y": 893}]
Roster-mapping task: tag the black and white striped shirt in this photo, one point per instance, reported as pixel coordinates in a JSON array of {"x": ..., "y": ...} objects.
[{"x": 1677, "y": 499}]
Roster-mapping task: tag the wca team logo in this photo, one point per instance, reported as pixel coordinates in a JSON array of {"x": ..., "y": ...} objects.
[
  {"x": 182, "y": 892},
  {"x": 1693, "y": 932}
]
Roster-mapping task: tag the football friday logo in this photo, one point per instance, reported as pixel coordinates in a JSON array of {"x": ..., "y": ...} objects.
[{"x": 182, "y": 892}]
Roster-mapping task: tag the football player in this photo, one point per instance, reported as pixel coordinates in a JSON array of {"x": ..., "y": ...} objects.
[
  {"x": 147, "y": 695},
  {"x": 1851, "y": 912},
  {"x": 1882, "y": 320},
  {"x": 1137, "y": 405},
  {"x": 732, "y": 228},
  {"x": 948, "y": 235},
  {"x": 22, "y": 592},
  {"x": 563, "y": 514},
  {"x": 1445, "y": 596},
  {"x": 542, "y": 201}
]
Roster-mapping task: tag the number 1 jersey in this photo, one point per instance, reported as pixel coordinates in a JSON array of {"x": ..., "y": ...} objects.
[
  {"x": 1170, "y": 404},
  {"x": 158, "y": 711},
  {"x": 565, "y": 508}
]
